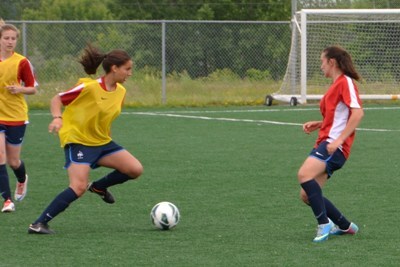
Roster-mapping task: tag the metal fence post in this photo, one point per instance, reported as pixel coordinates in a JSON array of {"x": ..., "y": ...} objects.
[{"x": 163, "y": 62}]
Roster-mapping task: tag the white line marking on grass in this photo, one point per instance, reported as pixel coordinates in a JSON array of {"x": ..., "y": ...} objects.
[
  {"x": 175, "y": 114},
  {"x": 289, "y": 109},
  {"x": 241, "y": 120}
]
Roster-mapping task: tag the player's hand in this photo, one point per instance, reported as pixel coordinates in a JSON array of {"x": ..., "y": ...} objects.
[
  {"x": 55, "y": 125},
  {"x": 333, "y": 146},
  {"x": 14, "y": 89},
  {"x": 311, "y": 126}
]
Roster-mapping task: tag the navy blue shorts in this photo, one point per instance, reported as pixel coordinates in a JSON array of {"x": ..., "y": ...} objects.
[
  {"x": 333, "y": 162},
  {"x": 14, "y": 134},
  {"x": 89, "y": 155}
]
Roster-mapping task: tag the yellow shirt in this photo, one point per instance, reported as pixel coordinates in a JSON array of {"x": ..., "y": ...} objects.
[
  {"x": 89, "y": 113},
  {"x": 12, "y": 107}
]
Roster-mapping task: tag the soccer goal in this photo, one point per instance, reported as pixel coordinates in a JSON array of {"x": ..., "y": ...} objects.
[{"x": 371, "y": 36}]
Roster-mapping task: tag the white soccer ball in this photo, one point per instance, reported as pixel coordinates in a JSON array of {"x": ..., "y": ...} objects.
[{"x": 165, "y": 215}]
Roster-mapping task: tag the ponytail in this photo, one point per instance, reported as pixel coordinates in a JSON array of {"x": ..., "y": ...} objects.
[{"x": 92, "y": 58}]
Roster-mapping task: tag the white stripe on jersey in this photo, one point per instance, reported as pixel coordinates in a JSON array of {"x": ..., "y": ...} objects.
[
  {"x": 76, "y": 88},
  {"x": 35, "y": 84},
  {"x": 339, "y": 121},
  {"x": 354, "y": 101}
]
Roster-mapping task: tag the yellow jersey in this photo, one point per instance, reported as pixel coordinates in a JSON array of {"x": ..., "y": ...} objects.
[
  {"x": 89, "y": 112},
  {"x": 15, "y": 70}
]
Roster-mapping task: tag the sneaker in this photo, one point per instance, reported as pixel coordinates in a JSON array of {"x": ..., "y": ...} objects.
[
  {"x": 40, "y": 228},
  {"x": 21, "y": 189},
  {"x": 8, "y": 206},
  {"x": 105, "y": 195},
  {"x": 323, "y": 231},
  {"x": 353, "y": 229}
]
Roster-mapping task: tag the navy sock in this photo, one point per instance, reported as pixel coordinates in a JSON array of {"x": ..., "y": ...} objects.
[
  {"x": 58, "y": 205},
  {"x": 316, "y": 200},
  {"x": 5, "y": 190},
  {"x": 111, "y": 179},
  {"x": 335, "y": 215},
  {"x": 20, "y": 172}
]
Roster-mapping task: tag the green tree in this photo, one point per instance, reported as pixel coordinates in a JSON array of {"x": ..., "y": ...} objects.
[
  {"x": 201, "y": 10},
  {"x": 69, "y": 10}
]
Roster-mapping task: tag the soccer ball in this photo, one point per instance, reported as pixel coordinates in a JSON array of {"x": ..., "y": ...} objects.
[{"x": 165, "y": 215}]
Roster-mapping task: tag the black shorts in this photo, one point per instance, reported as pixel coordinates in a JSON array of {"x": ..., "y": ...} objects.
[
  {"x": 14, "y": 134},
  {"x": 333, "y": 162},
  {"x": 89, "y": 155}
]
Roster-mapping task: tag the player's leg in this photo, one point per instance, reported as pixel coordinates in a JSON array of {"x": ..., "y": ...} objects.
[
  {"x": 312, "y": 177},
  {"x": 126, "y": 167},
  {"x": 343, "y": 226},
  {"x": 18, "y": 166},
  {"x": 78, "y": 177},
  {"x": 14, "y": 139},
  {"x": 5, "y": 190}
]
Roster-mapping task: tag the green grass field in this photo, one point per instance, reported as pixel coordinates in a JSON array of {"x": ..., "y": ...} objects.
[{"x": 232, "y": 173}]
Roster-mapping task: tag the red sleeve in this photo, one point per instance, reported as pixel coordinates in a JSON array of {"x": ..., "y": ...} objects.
[
  {"x": 26, "y": 74},
  {"x": 70, "y": 95}
]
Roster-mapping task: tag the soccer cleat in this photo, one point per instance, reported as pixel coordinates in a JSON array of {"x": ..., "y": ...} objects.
[
  {"x": 21, "y": 189},
  {"x": 40, "y": 228},
  {"x": 8, "y": 206},
  {"x": 323, "y": 231},
  {"x": 352, "y": 230},
  {"x": 105, "y": 195}
]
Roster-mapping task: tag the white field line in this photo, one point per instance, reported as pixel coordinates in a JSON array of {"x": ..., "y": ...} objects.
[
  {"x": 181, "y": 114},
  {"x": 239, "y": 120}
]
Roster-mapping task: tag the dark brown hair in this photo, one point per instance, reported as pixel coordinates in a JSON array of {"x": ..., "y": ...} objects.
[
  {"x": 343, "y": 59},
  {"x": 92, "y": 58}
]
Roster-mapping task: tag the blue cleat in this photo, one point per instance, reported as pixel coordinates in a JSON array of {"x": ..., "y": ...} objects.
[
  {"x": 323, "y": 231},
  {"x": 353, "y": 229}
]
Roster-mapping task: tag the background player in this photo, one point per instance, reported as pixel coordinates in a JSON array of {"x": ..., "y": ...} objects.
[{"x": 17, "y": 79}]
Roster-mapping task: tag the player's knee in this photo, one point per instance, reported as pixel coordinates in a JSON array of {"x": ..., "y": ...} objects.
[
  {"x": 301, "y": 176},
  {"x": 13, "y": 163},
  {"x": 79, "y": 189},
  {"x": 135, "y": 171}
]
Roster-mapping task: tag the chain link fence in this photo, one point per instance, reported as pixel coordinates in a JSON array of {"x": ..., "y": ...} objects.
[{"x": 176, "y": 62}]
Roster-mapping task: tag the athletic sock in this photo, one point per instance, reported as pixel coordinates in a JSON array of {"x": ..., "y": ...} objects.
[
  {"x": 111, "y": 179},
  {"x": 20, "y": 172},
  {"x": 316, "y": 200},
  {"x": 335, "y": 215},
  {"x": 4, "y": 183},
  {"x": 58, "y": 205}
]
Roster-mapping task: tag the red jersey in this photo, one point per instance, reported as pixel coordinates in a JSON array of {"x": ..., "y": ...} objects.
[{"x": 335, "y": 107}]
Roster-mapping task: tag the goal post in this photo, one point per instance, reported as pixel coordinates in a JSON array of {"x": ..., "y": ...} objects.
[{"x": 371, "y": 36}]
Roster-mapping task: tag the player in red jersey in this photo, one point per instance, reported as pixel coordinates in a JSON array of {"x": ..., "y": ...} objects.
[
  {"x": 16, "y": 80},
  {"x": 342, "y": 112}
]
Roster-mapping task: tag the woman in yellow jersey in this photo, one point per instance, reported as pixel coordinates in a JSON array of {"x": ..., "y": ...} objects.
[
  {"x": 84, "y": 132},
  {"x": 16, "y": 80}
]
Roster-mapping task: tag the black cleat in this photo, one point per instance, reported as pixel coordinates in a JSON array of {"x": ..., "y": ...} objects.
[
  {"x": 105, "y": 195},
  {"x": 40, "y": 228}
]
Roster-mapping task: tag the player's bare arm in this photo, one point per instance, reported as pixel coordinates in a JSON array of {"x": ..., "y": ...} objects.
[{"x": 56, "y": 111}]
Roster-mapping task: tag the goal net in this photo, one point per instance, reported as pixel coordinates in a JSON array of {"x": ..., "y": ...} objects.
[{"x": 371, "y": 36}]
